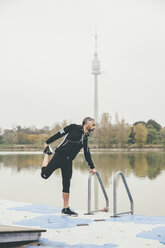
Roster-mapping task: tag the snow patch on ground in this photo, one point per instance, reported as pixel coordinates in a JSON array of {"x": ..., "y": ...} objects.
[
  {"x": 157, "y": 233},
  {"x": 53, "y": 222}
]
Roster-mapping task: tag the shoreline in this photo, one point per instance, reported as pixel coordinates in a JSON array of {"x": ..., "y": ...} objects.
[
  {"x": 147, "y": 149},
  {"x": 93, "y": 150}
]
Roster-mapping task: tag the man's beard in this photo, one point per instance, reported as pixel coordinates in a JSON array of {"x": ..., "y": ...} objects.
[{"x": 90, "y": 130}]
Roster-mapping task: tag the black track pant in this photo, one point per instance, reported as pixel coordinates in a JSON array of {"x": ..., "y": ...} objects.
[{"x": 59, "y": 161}]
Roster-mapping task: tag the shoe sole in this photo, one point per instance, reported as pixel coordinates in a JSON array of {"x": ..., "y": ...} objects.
[{"x": 71, "y": 215}]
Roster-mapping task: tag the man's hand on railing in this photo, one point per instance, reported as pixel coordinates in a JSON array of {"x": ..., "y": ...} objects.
[{"x": 93, "y": 171}]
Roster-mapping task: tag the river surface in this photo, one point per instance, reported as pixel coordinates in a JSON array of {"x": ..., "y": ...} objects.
[{"x": 144, "y": 171}]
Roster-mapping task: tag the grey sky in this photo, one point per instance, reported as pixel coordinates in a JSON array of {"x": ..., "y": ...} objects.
[{"x": 46, "y": 49}]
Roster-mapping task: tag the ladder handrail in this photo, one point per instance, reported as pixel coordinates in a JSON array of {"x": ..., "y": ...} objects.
[
  {"x": 115, "y": 195},
  {"x": 89, "y": 192}
]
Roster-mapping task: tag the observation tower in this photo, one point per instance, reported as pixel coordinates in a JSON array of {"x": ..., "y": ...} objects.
[{"x": 96, "y": 72}]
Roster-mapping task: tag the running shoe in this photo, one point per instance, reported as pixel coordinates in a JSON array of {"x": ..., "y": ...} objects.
[
  {"x": 68, "y": 211},
  {"x": 42, "y": 172},
  {"x": 48, "y": 150}
]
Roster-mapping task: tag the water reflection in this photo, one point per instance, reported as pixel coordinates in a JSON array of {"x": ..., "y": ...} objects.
[
  {"x": 141, "y": 164},
  {"x": 21, "y": 173},
  {"x": 21, "y": 161}
]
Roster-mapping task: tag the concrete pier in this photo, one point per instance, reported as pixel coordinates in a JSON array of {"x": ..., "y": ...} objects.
[
  {"x": 15, "y": 234},
  {"x": 99, "y": 230}
]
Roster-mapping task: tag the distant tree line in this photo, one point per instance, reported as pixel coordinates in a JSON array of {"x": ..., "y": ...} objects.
[
  {"x": 28, "y": 135},
  {"x": 122, "y": 134},
  {"x": 107, "y": 134}
]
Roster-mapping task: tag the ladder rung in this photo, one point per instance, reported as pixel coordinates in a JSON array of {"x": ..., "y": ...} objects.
[
  {"x": 123, "y": 213},
  {"x": 99, "y": 210}
]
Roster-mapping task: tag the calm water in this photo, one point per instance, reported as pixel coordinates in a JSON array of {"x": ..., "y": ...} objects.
[{"x": 145, "y": 173}]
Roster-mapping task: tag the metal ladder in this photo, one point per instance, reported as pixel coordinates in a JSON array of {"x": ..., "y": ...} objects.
[
  {"x": 89, "y": 194},
  {"x": 115, "y": 195}
]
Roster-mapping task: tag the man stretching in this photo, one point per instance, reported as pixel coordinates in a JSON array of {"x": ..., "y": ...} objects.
[{"x": 76, "y": 139}]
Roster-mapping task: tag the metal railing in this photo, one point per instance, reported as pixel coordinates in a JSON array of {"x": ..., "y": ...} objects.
[
  {"x": 89, "y": 194},
  {"x": 115, "y": 195}
]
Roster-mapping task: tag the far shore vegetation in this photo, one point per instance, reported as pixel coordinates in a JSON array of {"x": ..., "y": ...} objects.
[{"x": 120, "y": 134}]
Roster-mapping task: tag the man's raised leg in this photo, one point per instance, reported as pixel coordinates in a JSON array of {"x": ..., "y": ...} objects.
[
  {"x": 45, "y": 171},
  {"x": 46, "y": 160}
]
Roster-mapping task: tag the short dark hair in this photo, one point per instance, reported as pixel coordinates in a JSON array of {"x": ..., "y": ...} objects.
[{"x": 87, "y": 119}]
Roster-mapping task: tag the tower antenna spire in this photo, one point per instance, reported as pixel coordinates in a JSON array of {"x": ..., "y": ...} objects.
[{"x": 96, "y": 43}]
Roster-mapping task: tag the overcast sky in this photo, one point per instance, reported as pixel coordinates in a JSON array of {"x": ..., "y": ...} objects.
[{"x": 46, "y": 49}]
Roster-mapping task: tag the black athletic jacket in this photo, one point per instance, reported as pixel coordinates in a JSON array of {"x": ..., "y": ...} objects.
[{"x": 73, "y": 143}]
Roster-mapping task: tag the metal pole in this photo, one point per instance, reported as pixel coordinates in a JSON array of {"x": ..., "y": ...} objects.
[
  {"x": 96, "y": 99},
  {"x": 96, "y": 192},
  {"x": 115, "y": 194},
  {"x": 104, "y": 192},
  {"x": 114, "y": 197},
  {"x": 89, "y": 193},
  {"x": 128, "y": 192}
]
